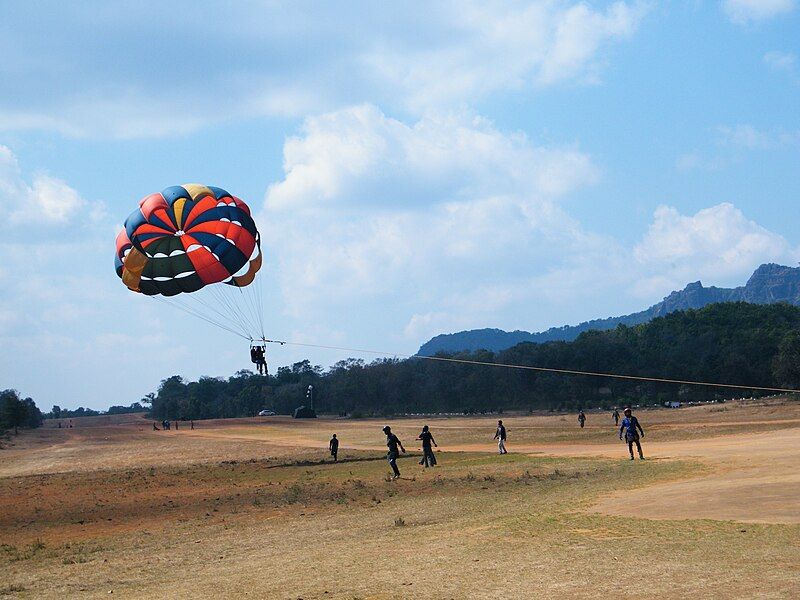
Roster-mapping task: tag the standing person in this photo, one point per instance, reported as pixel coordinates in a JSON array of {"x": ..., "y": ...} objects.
[
  {"x": 393, "y": 443},
  {"x": 615, "y": 416},
  {"x": 500, "y": 436},
  {"x": 630, "y": 424},
  {"x": 262, "y": 358},
  {"x": 192, "y": 425},
  {"x": 176, "y": 424},
  {"x": 581, "y": 418},
  {"x": 428, "y": 458},
  {"x": 333, "y": 446}
]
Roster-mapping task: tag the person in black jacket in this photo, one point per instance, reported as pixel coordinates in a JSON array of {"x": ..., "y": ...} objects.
[
  {"x": 333, "y": 446},
  {"x": 428, "y": 457},
  {"x": 393, "y": 443},
  {"x": 500, "y": 436}
]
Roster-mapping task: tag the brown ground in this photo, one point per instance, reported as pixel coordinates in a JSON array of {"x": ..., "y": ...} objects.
[{"x": 246, "y": 508}]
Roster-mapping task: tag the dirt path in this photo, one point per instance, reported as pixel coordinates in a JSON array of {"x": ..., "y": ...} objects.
[{"x": 754, "y": 478}]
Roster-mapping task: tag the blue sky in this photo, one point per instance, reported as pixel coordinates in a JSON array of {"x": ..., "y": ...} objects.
[{"x": 414, "y": 170}]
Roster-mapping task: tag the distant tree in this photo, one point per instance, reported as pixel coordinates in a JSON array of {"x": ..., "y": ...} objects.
[
  {"x": 56, "y": 412},
  {"x": 16, "y": 412},
  {"x": 121, "y": 410},
  {"x": 786, "y": 365}
]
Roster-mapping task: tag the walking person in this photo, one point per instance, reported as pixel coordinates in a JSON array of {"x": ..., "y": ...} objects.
[
  {"x": 581, "y": 418},
  {"x": 428, "y": 457},
  {"x": 393, "y": 443},
  {"x": 500, "y": 436},
  {"x": 333, "y": 446},
  {"x": 630, "y": 425},
  {"x": 615, "y": 416}
]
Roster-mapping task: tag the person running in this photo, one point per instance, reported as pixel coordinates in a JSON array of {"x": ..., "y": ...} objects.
[
  {"x": 629, "y": 426},
  {"x": 393, "y": 443},
  {"x": 428, "y": 457},
  {"x": 581, "y": 418},
  {"x": 500, "y": 436},
  {"x": 615, "y": 416},
  {"x": 333, "y": 446}
]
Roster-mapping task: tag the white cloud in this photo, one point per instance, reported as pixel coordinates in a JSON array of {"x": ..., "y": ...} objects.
[
  {"x": 44, "y": 200},
  {"x": 749, "y": 137},
  {"x": 748, "y": 11},
  {"x": 289, "y": 61},
  {"x": 448, "y": 223},
  {"x": 448, "y": 212},
  {"x": 493, "y": 46},
  {"x": 783, "y": 62},
  {"x": 359, "y": 155},
  {"x": 717, "y": 243}
]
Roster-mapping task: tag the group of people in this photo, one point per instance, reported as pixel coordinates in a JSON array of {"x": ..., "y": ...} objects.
[
  {"x": 166, "y": 425},
  {"x": 630, "y": 429},
  {"x": 258, "y": 357},
  {"x": 396, "y": 447}
]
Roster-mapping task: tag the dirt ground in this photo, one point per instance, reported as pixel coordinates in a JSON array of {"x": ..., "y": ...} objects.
[{"x": 255, "y": 508}]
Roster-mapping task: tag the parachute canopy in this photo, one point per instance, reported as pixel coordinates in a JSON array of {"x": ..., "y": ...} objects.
[{"x": 185, "y": 238}]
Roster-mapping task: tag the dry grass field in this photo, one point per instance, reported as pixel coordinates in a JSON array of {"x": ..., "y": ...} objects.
[{"x": 253, "y": 508}]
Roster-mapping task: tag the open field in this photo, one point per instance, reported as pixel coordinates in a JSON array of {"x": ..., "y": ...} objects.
[{"x": 248, "y": 507}]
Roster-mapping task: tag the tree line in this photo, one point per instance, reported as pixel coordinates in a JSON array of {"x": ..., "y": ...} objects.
[
  {"x": 734, "y": 343},
  {"x": 64, "y": 413}
]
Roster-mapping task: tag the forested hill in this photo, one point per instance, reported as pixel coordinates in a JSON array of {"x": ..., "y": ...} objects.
[
  {"x": 769, "y": 284},
  {"x": 738, "y": 343}
]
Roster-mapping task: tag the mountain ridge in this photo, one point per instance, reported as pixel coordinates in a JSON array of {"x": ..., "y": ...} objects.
[{"x": 770, "y": 283}]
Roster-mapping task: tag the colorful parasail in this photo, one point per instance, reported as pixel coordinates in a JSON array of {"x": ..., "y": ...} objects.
[{"x": 185, "y": 238}]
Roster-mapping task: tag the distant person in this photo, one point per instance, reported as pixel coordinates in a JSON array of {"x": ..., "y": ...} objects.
[
  {"x": 393, "y": 443},
  {"x": 581, "y": 418},
  {"x": 262, "y": 360},
  {"x": 254, "y": 355},
  {"x": 428, "y": 457},
  {"x": 155, "y": 427},
  {"x": 59, "y": 424},
  {"x": 615, "y": 416},
  {"x": 257, "y": 356},
  {"x": 192, "y": 425},
  {"x": 630, "y": 425},
  {"x": 176, "y": 425},
  {"x": 333, "y": 446},
  {"x": 500, "y": 436},
  {"x": 70, "y": 423}
]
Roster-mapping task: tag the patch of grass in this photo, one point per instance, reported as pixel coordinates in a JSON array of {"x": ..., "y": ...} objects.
[
  {"x": 293, "y": 494},
  {"x": 14, "y": 554},
  {"x": 11, "y": 589}
]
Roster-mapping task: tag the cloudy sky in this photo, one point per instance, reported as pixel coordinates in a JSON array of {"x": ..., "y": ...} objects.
[{"x": 414, "y": 170}]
